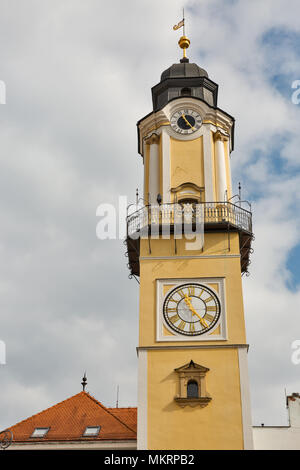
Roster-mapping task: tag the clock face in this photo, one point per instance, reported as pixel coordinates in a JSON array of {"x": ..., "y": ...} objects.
[
  {"x": 185, "y": 121},
  {"x": 191, "y": 309}
]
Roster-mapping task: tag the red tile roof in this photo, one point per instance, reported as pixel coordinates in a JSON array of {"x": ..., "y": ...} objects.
[
  {"x": 68, "y": 420},
  {"x": 127, "y": 415}
]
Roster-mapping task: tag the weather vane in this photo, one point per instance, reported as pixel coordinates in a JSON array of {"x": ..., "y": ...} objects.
[{"x": 183, "y": 42}]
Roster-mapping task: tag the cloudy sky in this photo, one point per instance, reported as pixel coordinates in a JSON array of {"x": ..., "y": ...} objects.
[{"x": 78, "y": 76}]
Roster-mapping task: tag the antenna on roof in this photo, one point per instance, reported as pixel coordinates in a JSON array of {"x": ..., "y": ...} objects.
[
  {"x": 117, "y": 402},
  {"x": 84, "y": 382}
]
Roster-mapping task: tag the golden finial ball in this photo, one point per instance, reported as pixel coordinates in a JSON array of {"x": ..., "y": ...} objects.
[{"x": 184, "y": 42}]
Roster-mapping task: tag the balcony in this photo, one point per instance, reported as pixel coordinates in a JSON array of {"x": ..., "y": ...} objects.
[{"x": 178, "y": 218}]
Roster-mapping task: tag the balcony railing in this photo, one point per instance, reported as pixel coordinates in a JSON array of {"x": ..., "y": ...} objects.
[{"x": 205, "y": 214}]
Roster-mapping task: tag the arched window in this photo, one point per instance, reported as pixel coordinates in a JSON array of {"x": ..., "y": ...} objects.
[
  {"x": 186, "y": 92},
  {"x": 192, "y": 389}
]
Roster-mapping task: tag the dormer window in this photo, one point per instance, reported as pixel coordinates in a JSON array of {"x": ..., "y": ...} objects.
[
  {"x": 40, "y": 432},
  {"x": 91, "y": 431},
  {"x": 186, "y": 92}
]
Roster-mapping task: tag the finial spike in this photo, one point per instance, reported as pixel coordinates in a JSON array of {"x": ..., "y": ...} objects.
[
  {"x": 117, "y": 402},
  {"x": 84, "y": 382}
]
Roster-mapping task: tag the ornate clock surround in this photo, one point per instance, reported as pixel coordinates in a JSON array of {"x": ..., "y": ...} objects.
[{"x": 166, "y": 334}]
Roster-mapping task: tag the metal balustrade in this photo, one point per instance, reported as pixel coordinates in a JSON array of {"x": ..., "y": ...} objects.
[{"x": 201, "y": 213}]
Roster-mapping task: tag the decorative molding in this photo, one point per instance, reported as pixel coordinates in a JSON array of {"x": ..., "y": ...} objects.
[
  {"x": 161, "y": 119},
  {"x": 192, "y": 346},
  {"x": 202, "y": 401},
  {"x": 220, "y": 136},
  {"x": 153, "y": 139},
  {"x": 188, "y": 257},
  {"x": 185, "y": 185},
  {"x": 188, "y": 191}
]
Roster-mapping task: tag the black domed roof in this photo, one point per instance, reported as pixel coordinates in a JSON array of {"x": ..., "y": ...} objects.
[
  {"x": 184, "y": 79},
  {"x": 183, "y": 70}
]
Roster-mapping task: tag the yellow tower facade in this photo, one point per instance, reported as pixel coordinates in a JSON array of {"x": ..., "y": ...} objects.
[{"x": 189, "y": 243}]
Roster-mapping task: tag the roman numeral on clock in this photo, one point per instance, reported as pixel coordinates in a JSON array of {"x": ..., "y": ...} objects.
[
  {"x": 181, "y": 325},
  {"x": 179, "y": 292},
  {"x": 191, "y": 290},
  {"x": 209, "y": 317},
  {"x": 171, "y": 309},
  {"x": 174, "y": 319}
]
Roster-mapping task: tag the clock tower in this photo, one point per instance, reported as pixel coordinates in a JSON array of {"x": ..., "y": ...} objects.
[{"x": 189, "y": 243}]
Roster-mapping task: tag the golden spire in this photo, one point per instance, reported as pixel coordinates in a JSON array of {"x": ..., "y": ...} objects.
[{"x": 184, "y": 41}]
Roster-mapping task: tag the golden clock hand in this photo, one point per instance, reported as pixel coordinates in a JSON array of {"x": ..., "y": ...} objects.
[
  {"x": 183, "y": 115},
  {"x": 189, "y": 304},
  {"x": 202, "y": 321}
]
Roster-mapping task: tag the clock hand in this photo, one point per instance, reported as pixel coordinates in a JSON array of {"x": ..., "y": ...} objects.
[
  {"x": 189, "y": 304},
  {"x": 183, "y": 115}
]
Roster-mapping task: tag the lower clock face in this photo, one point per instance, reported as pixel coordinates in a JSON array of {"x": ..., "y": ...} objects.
[
  {"x": 185, "y": 121},
  {"x": 191, "y": 309}
]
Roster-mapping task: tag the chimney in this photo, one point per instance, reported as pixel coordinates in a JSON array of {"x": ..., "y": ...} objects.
[{"x": 293, "y": 406}]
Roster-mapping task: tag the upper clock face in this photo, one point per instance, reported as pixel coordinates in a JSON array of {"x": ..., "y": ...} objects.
[
  {"x": 186, "y": 121},
  {"x": 191, "y": 309}
]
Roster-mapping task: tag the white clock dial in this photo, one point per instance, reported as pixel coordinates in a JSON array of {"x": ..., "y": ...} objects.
[
  {"x": 191, "y": 309},
  {"x": 185, "y": 121}
]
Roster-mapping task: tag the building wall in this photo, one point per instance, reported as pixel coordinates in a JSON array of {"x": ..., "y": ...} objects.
[
  {"x": 276, "y": 438},
  {"x": 163, "y": 423},
  {"x": 216, "y": 426},
  {"x": 281, "y": 437}
]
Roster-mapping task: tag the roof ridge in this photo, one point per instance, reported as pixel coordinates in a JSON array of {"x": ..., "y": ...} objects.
[
  {"x": 46, "y": 409},
  {"x": 122, "y": 408},
  {"x": 107, "y": 410}
]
